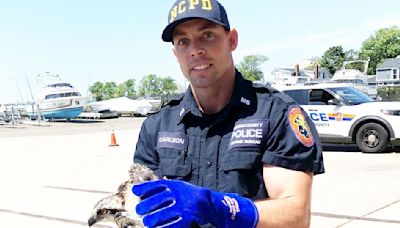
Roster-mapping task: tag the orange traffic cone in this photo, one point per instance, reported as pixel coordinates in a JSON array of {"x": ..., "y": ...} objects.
[{"x": 113, "y": 140}]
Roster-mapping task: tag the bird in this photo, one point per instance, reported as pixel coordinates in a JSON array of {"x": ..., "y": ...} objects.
[{"x": 120, "y": 207}]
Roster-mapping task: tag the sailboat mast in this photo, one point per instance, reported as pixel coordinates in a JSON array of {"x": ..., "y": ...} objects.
[{"x": 30, "y": 90}]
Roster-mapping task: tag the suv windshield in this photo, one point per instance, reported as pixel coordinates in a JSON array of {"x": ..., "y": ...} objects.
[{"x": 351, "y": 95}]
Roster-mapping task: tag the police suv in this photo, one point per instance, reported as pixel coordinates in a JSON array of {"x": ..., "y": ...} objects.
[{"x": 343, "y": 114}]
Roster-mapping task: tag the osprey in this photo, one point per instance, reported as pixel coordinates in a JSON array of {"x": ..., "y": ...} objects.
[{"x": 120, "y": 207}]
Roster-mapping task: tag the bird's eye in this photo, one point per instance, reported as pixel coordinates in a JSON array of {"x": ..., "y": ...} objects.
[{"x": 102, "y": 212}]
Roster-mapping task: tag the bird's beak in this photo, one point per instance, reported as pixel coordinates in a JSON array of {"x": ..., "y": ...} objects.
[{"x": 92, "y": 220}]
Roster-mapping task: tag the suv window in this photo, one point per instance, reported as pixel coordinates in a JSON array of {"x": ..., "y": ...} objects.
[
  {"x": 320, "y": 97},
  {"x": 351, "y": 95},
  {"x": 301, "y": 96},
  {"x": 307, "y": 97}
]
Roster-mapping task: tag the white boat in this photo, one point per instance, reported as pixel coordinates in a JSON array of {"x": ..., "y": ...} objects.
[
  {"x": 122, "y": 105},
  {"x": 155, "y": 102},
  {"x": 355, "y": 78},
  {"x": 60, "y": 101}
]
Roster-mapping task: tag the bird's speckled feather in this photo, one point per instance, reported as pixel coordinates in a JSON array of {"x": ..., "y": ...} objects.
[{"x": 120, "y": 207}]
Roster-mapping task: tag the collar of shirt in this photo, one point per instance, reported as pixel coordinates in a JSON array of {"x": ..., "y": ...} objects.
[{"x": 242, "y": 97}]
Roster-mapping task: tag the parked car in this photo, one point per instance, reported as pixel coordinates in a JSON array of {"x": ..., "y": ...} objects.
[{"x": 344, "y": 114}]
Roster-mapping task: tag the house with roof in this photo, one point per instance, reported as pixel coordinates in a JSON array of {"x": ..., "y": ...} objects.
[
  {"x": 388, "y": 72},
  {"x": 300, "y": 74}
]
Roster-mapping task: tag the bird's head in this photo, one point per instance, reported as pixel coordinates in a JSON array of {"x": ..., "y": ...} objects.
[
  {"x": 105, "y": 210},
  {"x": 139, "y": 173}
]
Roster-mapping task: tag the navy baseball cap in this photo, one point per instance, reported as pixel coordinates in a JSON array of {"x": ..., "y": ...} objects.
[{"x": 184, "y": 10}]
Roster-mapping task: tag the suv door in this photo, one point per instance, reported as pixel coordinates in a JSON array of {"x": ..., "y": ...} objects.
[{"x": 326, "y": 115}]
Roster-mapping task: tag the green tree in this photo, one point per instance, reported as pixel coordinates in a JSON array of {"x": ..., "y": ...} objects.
[
  {"x": 333, "y": 58},
  {"x": 385, "y": 43},
  {"x": 150, "y": 85},
  {"x": 168, "y": 86},
  {"x": 127, "y": 88},
  {"x": 250, "y": 67},
  {"x": 351, "y": 54},
  {"x": 130, "y": 86},
  {"x": 109, "y": 90},
  {"x": 120, "y": 91},
  {"x": 97, "y": 91}
]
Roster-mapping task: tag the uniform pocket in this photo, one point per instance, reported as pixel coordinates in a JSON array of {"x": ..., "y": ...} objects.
[
  {"x": 242, "y": 172},
  {"x": 174, "y": 163},
  {"x": 242, "y": 159}
]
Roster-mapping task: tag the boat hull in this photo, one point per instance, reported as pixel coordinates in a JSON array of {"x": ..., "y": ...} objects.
[
  {"x": 62, "y": 108},
  {"x": 69, "y": 113}
]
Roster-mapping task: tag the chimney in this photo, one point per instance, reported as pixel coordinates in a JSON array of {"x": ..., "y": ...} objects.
[
  {"x": 316, "y": 71},
  {"x": 296, "y": 70}
]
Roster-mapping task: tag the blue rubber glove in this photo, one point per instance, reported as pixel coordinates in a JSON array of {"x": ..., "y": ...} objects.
[{"x": 173, "y": 203}]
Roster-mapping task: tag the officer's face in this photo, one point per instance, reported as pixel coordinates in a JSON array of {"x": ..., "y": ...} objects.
[{"x": 204, "y": 52}]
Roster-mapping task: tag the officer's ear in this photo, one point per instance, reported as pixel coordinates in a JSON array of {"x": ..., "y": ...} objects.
[
  {"x": 233, "y": 38},
  {"x": 174, "y": 51}
]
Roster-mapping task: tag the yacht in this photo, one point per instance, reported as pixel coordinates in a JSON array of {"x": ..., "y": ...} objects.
[
  {"x": 60, "y": 101},
  {"x": 355, "y": 78}
]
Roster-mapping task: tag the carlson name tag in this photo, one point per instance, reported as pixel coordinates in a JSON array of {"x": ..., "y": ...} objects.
[
  {"x": 174, "y": 140},
  {"x": 248, "y": 133}
]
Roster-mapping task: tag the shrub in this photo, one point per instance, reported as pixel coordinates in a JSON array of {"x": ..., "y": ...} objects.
[{"x": 389, "y": 93}]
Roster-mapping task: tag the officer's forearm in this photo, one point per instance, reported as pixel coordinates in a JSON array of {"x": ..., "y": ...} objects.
[
  {"x": 286, "y": 212},
  {"x": 289, "y": 199}
]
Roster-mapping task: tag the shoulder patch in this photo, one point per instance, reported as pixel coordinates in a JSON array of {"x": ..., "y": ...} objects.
[{"x": 299, "y": 126}]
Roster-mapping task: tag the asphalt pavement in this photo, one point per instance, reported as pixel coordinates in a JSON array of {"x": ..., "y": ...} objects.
[{"x": 53, "y": 174}]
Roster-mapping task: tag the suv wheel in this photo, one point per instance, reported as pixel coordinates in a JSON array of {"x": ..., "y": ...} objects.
[{"x": 372, "y": 138}]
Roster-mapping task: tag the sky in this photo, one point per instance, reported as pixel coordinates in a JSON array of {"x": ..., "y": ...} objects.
[{"x": 84, "y": 41}]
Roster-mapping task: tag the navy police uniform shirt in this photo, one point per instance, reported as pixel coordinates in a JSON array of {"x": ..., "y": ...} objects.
[{"x": 226, "y": 151}]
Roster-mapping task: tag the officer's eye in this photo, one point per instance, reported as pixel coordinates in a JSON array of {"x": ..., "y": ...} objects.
[
  {"x": 182, "y": 42},
  {"x": 208, "y": 35}
]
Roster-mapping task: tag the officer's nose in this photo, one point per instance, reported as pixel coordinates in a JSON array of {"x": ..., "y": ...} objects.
[{"x": 197, "y": 49}]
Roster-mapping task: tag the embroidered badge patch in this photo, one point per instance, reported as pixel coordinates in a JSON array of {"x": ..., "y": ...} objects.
[
  {"x": 248, "y": 133},
  {"x": 300, "y": 127}
]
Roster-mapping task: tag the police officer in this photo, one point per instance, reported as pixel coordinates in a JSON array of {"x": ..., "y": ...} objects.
[{"x": 235, "y": 154}]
